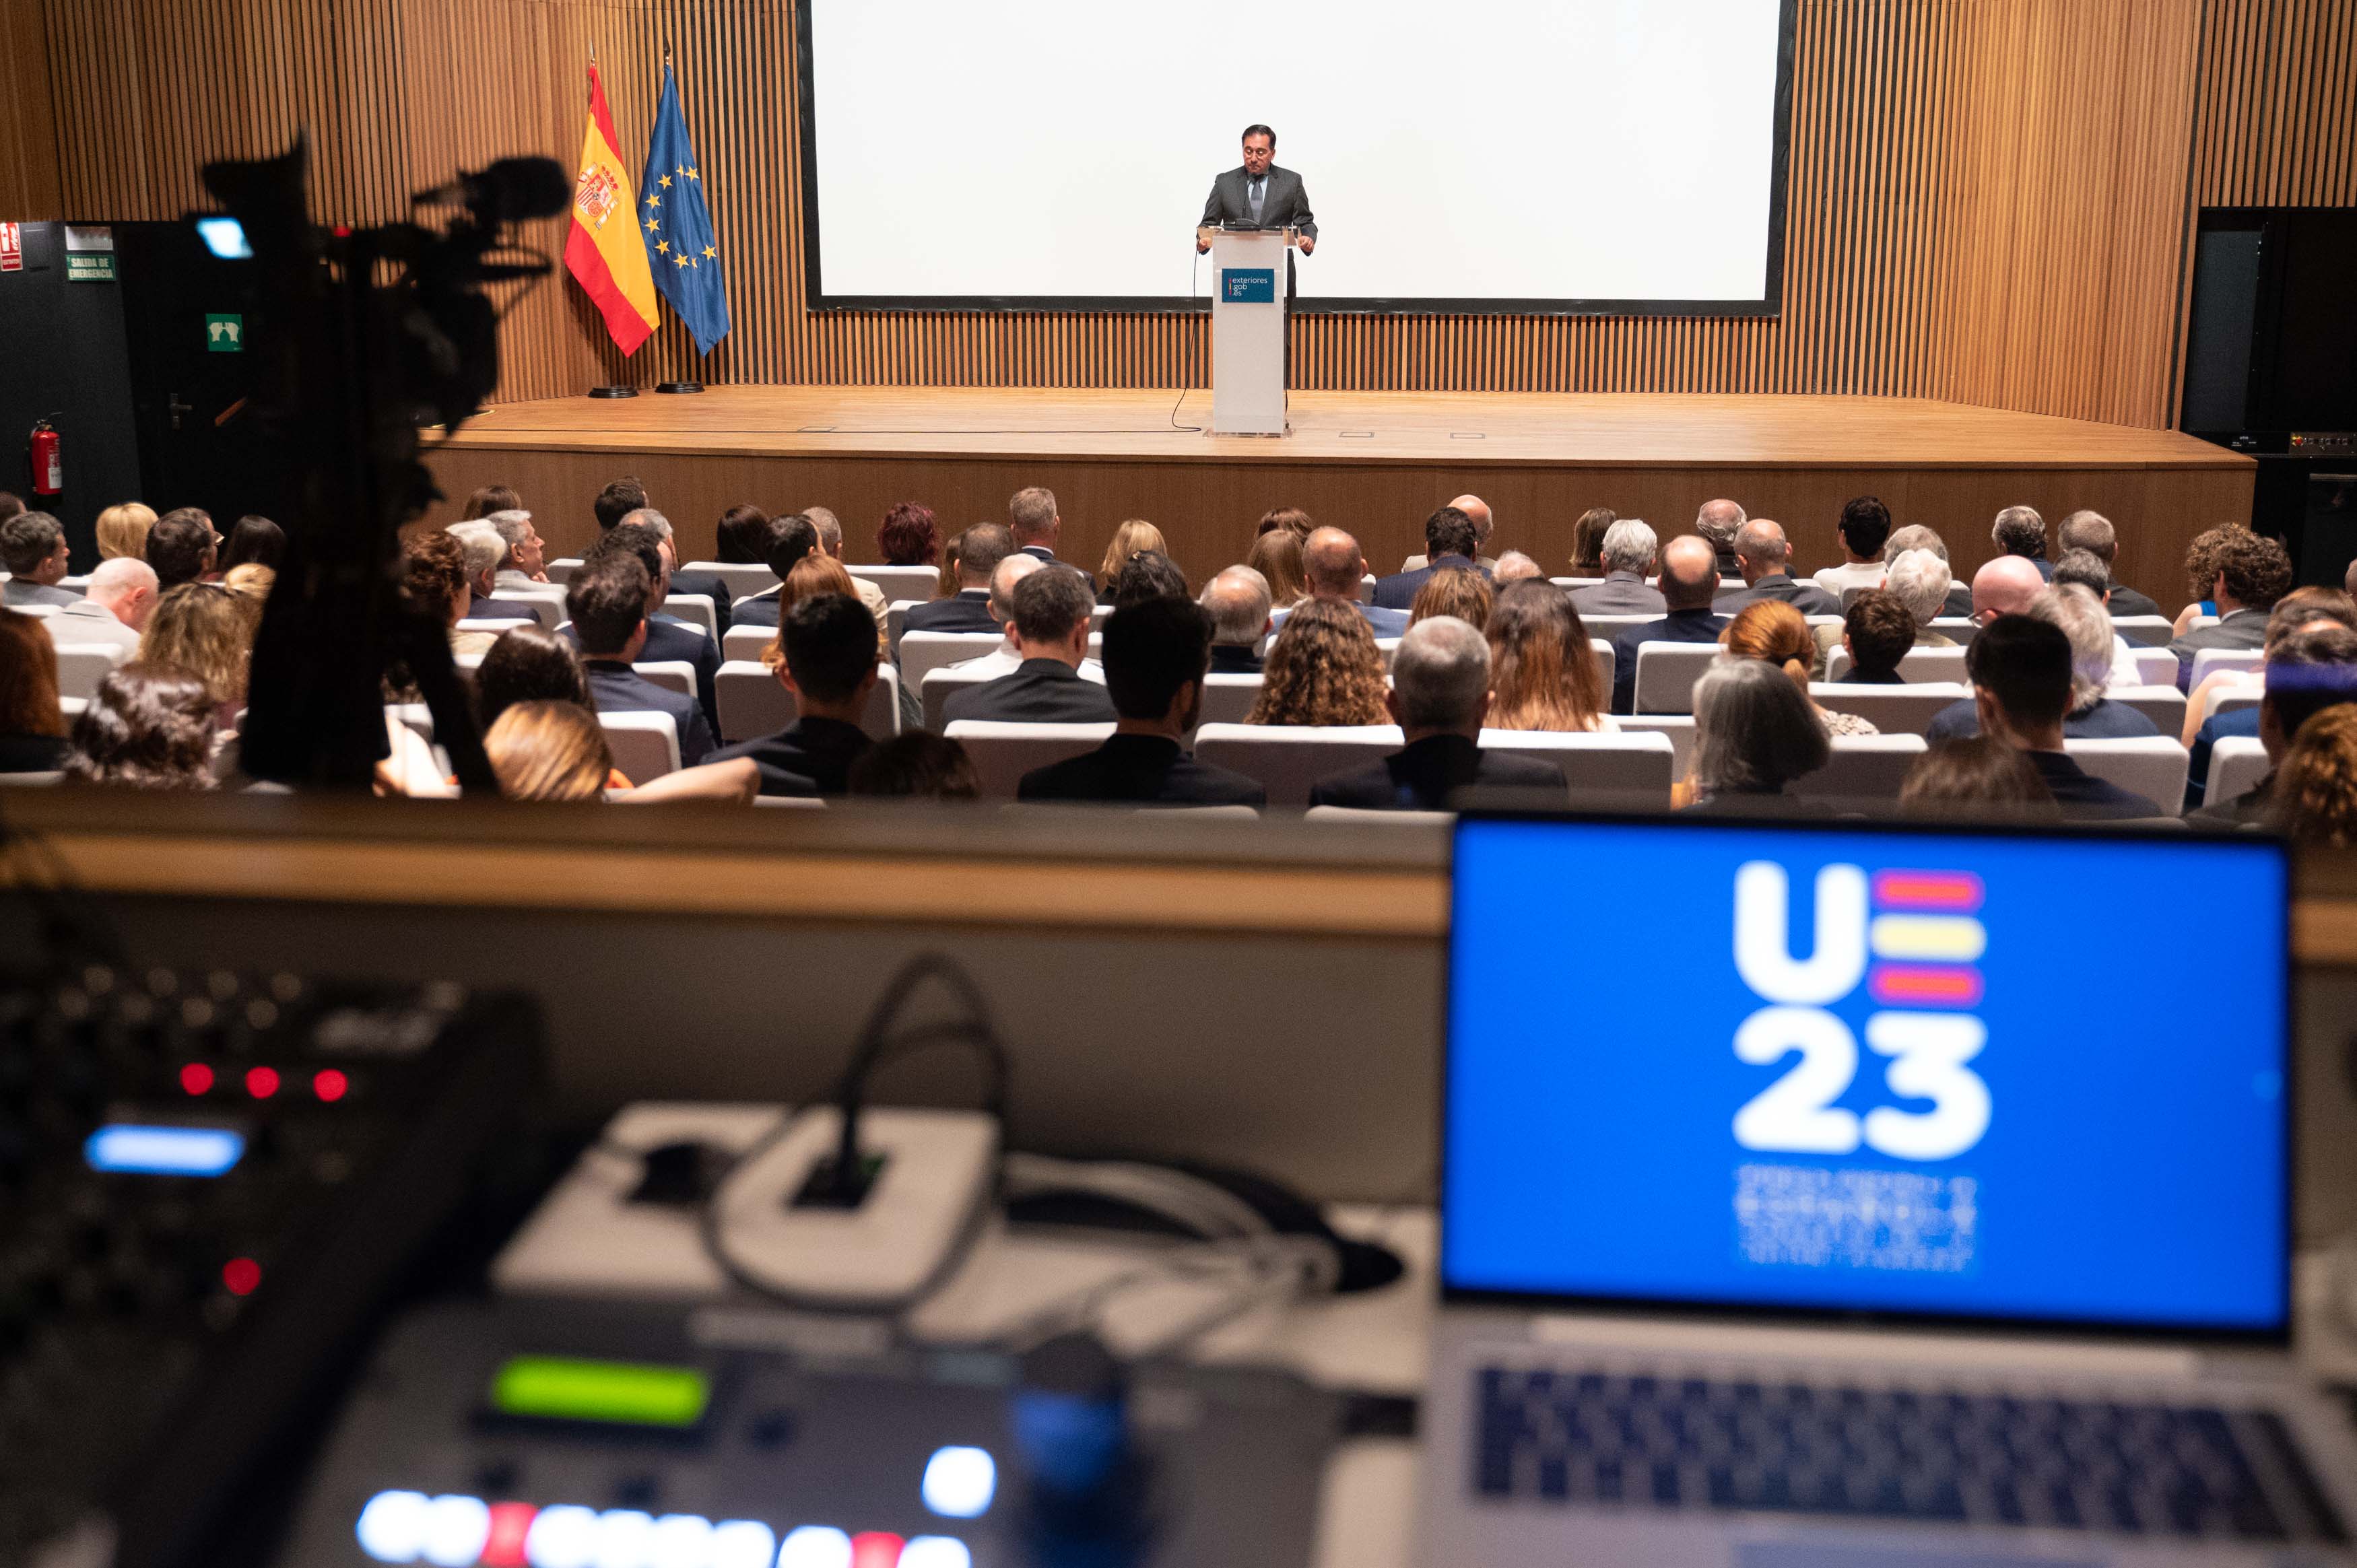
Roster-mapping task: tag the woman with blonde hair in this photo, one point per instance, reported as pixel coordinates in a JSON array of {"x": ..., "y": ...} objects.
[
  {"x": 32, "y": 726},
  {"x": 1773, "y": 632},
  {"x": 557, "y": 751},
  {"x": 1543, "y": 674},
  {"x": 1323, "y": 668},
  {"x": 1277, "y": 556},
  {"x": 815, "y": 573},
  {"x": 1588, "y": 541},
  {"x": 123, "y": 530},
  {"x": 1454, "y": 591},
  {"x": 207, "y": 631},
  {"x": 1133, "y": 537}
]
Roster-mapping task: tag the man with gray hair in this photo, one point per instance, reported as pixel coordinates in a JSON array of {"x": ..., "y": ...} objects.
[
  {"x": 708, "y": 584},
  {"x": 1037, "y": 523},
  {"x": 2090, "y": 716},
  {"x": 1763, "y": 556},
  {"x": 33, "y": 548},
  {"x": 1514, "y": 566},
  {"x": 1478, "y": 510},
  {"x": 114, "y": 610},
  {"x": 1237, "y": 601},
  {"x": 830, "y": 542},
  {"x": 2019, "y": 530},
  {"x": 526, "y": 563},
  {"x": 1439, "y": 696},
  {"x": 482, "y": 548},
  {"x": 1920, "y": 581},
  {"x": 1628, "y": 552},
  {"x": 1915, "y": 536},
  {"x": 2093, "y": 532},
  {"x": 1716, "y": 521}
]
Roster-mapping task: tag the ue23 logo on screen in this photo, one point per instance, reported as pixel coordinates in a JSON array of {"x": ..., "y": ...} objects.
[{"x": 1921, "y": 931}]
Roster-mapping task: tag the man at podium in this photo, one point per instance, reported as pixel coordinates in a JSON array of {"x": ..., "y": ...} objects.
[{"x": 1260, "y": 195}]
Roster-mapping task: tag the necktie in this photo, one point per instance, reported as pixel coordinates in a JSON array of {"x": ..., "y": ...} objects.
[{"x": 1258, "y": 185}]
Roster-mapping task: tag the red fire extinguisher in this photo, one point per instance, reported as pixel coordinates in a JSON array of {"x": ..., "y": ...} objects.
[{"x": 48, "y": 459}]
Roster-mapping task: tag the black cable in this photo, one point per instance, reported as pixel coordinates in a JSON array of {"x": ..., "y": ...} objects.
[{"x": 1194, "y": 284}]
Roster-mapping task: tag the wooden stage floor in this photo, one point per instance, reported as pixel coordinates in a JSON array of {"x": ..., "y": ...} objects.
[{"x": 1373, "y": 462}]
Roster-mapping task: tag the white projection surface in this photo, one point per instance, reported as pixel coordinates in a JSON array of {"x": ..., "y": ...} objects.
[{"x": 1596, "y": 150}]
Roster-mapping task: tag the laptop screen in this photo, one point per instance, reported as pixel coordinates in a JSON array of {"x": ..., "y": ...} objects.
[{"x": 2026, "y": 1078}]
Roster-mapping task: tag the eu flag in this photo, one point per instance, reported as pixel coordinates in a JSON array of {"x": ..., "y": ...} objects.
[{"x": 677, "y": 227}]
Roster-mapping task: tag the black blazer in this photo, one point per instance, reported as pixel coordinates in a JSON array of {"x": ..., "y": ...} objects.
[
  {"x": 2127, "y": 601},
  {"x": 1678, "y": 626},
  {"x": 1422, "y": 777},
  {"x": 1142, "y": 770},
  {"x": 669, "y": 641},
  {"x": 1039, "y": 692},
  {"x": 502, "y": 610},
  {"x": 1398, "y": 591},
  {"x": 1806, "y": 598},
  {"x": 808, "y": 756},
  {"x": 1044, "y": 554},
  {"x": 618, "y": 688},
  {"x": 756, "y": 609},
  {"x": 1234, "y": 658},
  {"x": 1284, "y": 201},
  {"x": 707, "y": 582},
  {"x": 970, "y": 611}
]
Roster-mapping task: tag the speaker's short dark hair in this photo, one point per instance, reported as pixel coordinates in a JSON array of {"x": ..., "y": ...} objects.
[
  {"x": 1148, "y": 574},
  {"x": 1865, "y": 524},
  {"x": 607, "y": 598},
  {"x": 179, "y": 545},
  {"x": 791, "y": 537},
  {"x": 1050, "y": 602},
  {"x": 1449, "y": 531},
  {"x": 619, "y": 500},
  {"x": 2025, "y": 664},
  {"x": 1252, "y": 131},
  {"x": 830, "y": 643},
  {"x": 1151, "y": 649}
]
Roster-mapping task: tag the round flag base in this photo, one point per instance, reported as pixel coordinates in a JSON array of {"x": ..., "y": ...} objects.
[
  {"x": 613, "y": 391},
  {"x": 679, "y": 386}
]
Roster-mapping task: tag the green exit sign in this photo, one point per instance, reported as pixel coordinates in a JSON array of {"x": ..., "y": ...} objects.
[{"x": 224, "y": 334}]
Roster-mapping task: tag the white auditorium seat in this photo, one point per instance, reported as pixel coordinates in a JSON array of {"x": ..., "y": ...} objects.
[
  {"x": 738, "y": 579},
  {"x": 645, "y": 743},
  {"x": 560, "y": 570},
  {"x": 1610, "y": 626},
  {"x": 417, "y": 717},
  {"x": 1916, "y": 666},
  {"x": 2155, "y": 666},
  {"x": 1864, "y": 767},
  {"x": 1666, "y": 673},
  {"x": 2208, "y": 662},
  {"x": 2163, "y": 705},
  {"x": 494, "y": 625},
  {"x": 922, "y": 652},
  {"x": 1679, "y": 727},
  {"x": 2149, "y": 631},
  {"x": 896, "y": 621},
  {"x": 75, "y": 585},
  {"x": 899, "y": 582},
  {"x": 2227, "y": 699},
  {"x": 74, "y": 707},
  {"x": 671, "y": 675},
  {"x": 1385, "y": 646},
  {"x": 1288, "y": 759},
  {"x": 1893, "y": 710},
  {"x": 1367, "y": 589},
  {"x": 1003, "y": 753},
  {"x": 790, "y": 802},
  {"x": 1958, "y": 629},
  {"x": 753, "y": 703},
  {"x": 1386, "y": 818},
  {"x": 696, "y": 609},
  {"x": 38, "y": 611},
  {"x": 82, "y": 665},
  {"x": 31, "y": 780},
  {"x": 1234, "y": 814},
  {"x": 1098, "y": 617},
  {"x": 467, "y": 665},
  {"x": 2151, "y": 766},
  {"x": 1227, "y": 699},
  {"x": 746, "y": 642},
  {"x": 547, "y": 602},
  {"x": 2237, "y": 762},
  {"x": 1604, "y": 663},
  {"x": 1635, "y": 768}
]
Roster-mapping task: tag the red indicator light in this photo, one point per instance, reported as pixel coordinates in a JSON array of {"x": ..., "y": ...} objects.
[
  {"x": 875, "y": 1549},
  {"x": 241, "y": 1275},
  {"x": 329, "y": 1084},
  {"x": 197, "y": 1078},
  {"x": 503, "y": 1547},
  {"x": 261, "y": 1082}
]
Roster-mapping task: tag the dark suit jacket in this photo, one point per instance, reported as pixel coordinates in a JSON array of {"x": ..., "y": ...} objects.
[
  {"x": 2085, "y": 798},
  {"x": 502, "y": 610},
  {"x": 617, "y": 688},
  {"x": 1959, "y": 602},
  {"x": 1857, "y": 677},
  {"x": 1423, "y": 777},
  {"x": 2244, "y": 629},
  {"x": 1678, "y": 626},
  {"x": 1284, "y": 202},
  {"x": 756, "y": 609},
  {"x": 1144, "y": 769},
  {"x": 1751, "y": 803},
  {"x": 1232, "y": 659},
  {"x": 969, "y": 611},
  {"x": 2254, "y": 808},
  {"x": 1398, "y": 591},
  {"x": 2125, "y": 601},
  {"x": 1620, "y": 594},
  {"x": 1045, "y": 553},
  {"x": 1039, "y": 692},
  {"x": 670, "y": 640},
  {"x": 32, "y": 753},
  {"x": 1806, "y": 598},
  {"x": 707, "y": 582},
  {"x": 2106, "y": 720},
  {"x": 808, "y": 756}
]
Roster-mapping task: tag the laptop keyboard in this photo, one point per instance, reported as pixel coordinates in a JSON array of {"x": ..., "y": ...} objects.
[{"x": 1880, "y": 1454}]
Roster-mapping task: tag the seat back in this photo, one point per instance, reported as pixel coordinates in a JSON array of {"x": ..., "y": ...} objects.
[
  {"x": 2237, "y": 763},
  {"x": 2163, "y": 705},
  {"x": 645, "y": 743},
  {"x": 1610, "y": 626},
  {"x": 2209, "y": 661},
  {"x": 1666, "y": 673},
  {"x": 1367, "y": 588},
  {"x": 2153, "y": 666},
  {"x": 1679, "y": 727},
  {"x": 1634, "y": 769},
  {"x": 746, "y": 642},
  {"x": 737, "y": 578},
  {"x": 2226, "y": 699},
  {"x": 1003, "y": 753},
  {"x": 1286, "y": 759},
  {"x": 1958, "y": 630},
  {"x": 2152, "y": 766},
  {"x": 495, "y": 625},
  {"x": 922, "y": 652},
  {"x": 561, "y": 570},
  {"x": 547, "y": 602},
  {"x": 82, "y": 665},
  {"x": 1916, "y": 666},
  {"x": 2145, "y": 631},
  {"x": 1606, "y": 665},
  {"x": 672, "y": 674},
  {"x": 1387, "y": 818},
  {"x": 39, "y": 612},
  {"x": 899, "y": 582},
  {"x": 696, "y": 609},
  {"x": 1862, "y": 767},
  {"x": 32, "y": 780},
  {"x": 1893, "y": 710},
  {"x": 753, "y": 703},
  {"x": 1228, "y": 698}
]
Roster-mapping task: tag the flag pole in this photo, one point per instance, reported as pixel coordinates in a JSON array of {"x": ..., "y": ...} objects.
[{"x": 675, "y": 387}]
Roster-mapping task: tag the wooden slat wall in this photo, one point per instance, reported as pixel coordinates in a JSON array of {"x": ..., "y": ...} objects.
[{"x": 1987, "y": 201}]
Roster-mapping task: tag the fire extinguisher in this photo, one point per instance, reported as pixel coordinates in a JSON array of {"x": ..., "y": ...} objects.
[{"x": 46, "y": 457}]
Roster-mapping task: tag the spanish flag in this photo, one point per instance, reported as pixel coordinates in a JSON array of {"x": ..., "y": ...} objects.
[{"x": 603, "y": 252}]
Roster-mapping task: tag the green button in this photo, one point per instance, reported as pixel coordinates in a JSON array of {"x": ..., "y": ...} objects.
[{"x": 556, "y": 1388}]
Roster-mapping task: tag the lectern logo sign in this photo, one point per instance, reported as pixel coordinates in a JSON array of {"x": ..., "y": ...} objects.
[{"x": 1248, "y": 286}]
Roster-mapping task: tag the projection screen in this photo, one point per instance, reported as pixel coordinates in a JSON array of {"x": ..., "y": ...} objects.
[{"x": 1621, "y": 156}]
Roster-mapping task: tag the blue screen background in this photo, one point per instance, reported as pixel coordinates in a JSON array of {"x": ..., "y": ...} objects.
[{"x": 2134, "y": 1168}]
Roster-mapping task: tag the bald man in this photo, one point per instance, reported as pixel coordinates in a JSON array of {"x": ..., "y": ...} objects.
[
  {"x": 1689, "y": 578},
  {"x": 2005, "y": 588},
  {"x": 1332, "y": 563},
  {"x": 1764, "y": 558},
  {"x": 1478, "y": 510}
]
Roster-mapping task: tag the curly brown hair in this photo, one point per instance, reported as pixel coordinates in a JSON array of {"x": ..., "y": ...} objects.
[
  {"x": 149, "y": 726},
  {"x": 2201, "y": 559},
  {"x": 1543, "y": 674},
  {"x": 1454, "y": 591},
  {"x": 1323, "y": 668},
  {"x": 433, "y": 572},
  {"x": 2257, "y": 569},
  {"x": 2316, "y": 786}
]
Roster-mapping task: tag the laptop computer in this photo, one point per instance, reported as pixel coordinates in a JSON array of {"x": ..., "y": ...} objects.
[{"x": 1836, "y": 1195}]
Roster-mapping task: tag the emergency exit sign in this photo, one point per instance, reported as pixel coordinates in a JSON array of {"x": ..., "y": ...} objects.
[
  {"x": 224, "y": 334},
  {"x": 12, "y": 247}
]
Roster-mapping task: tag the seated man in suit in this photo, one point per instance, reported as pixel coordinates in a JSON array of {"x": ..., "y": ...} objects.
[
  {"x": 830, "y": 542},
  {"x": 114, "y": 609},
  {"x": 1449, "y": 540},
  {"x": 1439, "y": 696},
  {"x": 1051, "y": 609},
  {"x": 2019, "y": 530},
  {"x": 791, "y": 537},
  {"x": 2308, "y": 671},
  {"x": 1034, "y": 521},
  {"x": 1689, "y": 578},
  {"x": 1630, "y": 550},
  {"x": 2021, "y": 674},
  {"x": 830, "y": 667},
  {"x": 625, "y": 500},
  {"x": 980, "y": 550},
  {"x": 669, "y": 638},
  {"x": 525, "y": 563},
  {"x": 1237, "y": 602},
  {"x": 1155, "y": 654},
  {"x": 1004, "y": 660},
  {"x": 2093, "y": 532},
  {"x": 2254, "y": 572},
  {"x": 484, "y": 550},
  {"x": 1877, "y": 632},
  {"x": 2302, "y": 609},
  {"x": 2092, "y": 715},
  {"x": 1514, "y": 566},
  {"x": 1915, "y": 536},
  {"x": 33, "y": 547},
  {"x": 1762, "y": 555},
  {"x": 607, "y": 602},
  {"x": 1918, "y": 580},
  {"x": 1333, "y": 566},
  {"x": 1484, "y": 520},
  {"x": 1864, "y": 530}
]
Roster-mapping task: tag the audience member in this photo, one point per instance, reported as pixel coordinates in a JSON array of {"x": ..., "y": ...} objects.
[
  {"x": 1478, "y": 510},
  {"x": 830, "y": 542},
  {"x": 669, "y": 639},
  {"x": 2021, "y": 669},
  {"x": 1763, "y": 557},
  {"x": 607, "y": 600},
  {"x": 150, "y": 726},
  {"x": 2093, "y": 532},
  {"x": 916, "y": 765},
  {"x": 814, "y": 576},
  {"x": 1689, "y": 581},
  {"x": 528, "y": 665},
  {"x": 1323, "y": 668},
  {"x": 1051, "y": 625},
  {"x": 945, "y": 585},
  {"x": 908, "y": 536},
  {"x": 1333, "y": 568},
  {"x": 1156, "y": 652},
  {"x": 202, "y": 629},
  {"x": 485, "y": 499},
  {"x": 829, "y": 665},
  {"x": 1033, "y": 517},
  {"x": 1630, "y": 551},
  {"x": 2004, "y": 587},
  {"x": 1543, "y": 674},
  {"x": 1716, "y": 523},
  {"x": 1453, "y": 591},
  {"x": 1977, "y": 778},
  {"x": 1450, "y": 538},
  {"x": 1878, "y": 631},
  {"x": 123, "y": 530},
  {"x": 1005, "y": 660},
  {"x": 34, "y": 551},
  {"x": 979, "y": 550},
  {"x": 1918, "y": 580},
  {"x": 2315, "y": 791},
  {"x": 32, "y": 724},
  {"x": 1754, "y": 733},
  {"x": 1281, "y": 559},
  {"x": 1778, "y": 635},
  {"x": 2082, "y": 569},
  {"x": 2202, "y": 574},
  {"x": 1133, "y": 536},
  {"x": 1145, "y": 574},
  {"x": 1864, "y": 530},
  {"x": 1514, "y": 566},
  {"x": 2018, "y": 531},
  {"x": 1915, "y": 536},
  {"x": 2090, "y": 716},
  {"x": 790, "y": 538},
  {"x": 708, "y": 584},
  {"x": 2296, "y": 611},
  {"x": 1439, "y": 696},
  {"x": 524, "y": 561},
  {"x": 250, "y": 586},
  {"x": 482, "y": 549},
  {"x": 2312, "y": 667},
  {"x": 616, "y": 501},
  {"x": 1588, "y": 541},
  {"x": 1237, "y": 600},
  {"x": 10, "y": 505},
  {"x": 253, "y": 540},
  {"x": 1291, "y": 519},
  {"x": 181, "y": 547},
  {"x": 2254, "y": 572},
  {"x": 557, "y": 751},
  {"x": 741, "y": 537},
  {"x": 112, "y": 610}
]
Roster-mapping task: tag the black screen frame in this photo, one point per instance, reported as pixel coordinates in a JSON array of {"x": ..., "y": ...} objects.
[{"x": 1768, "y": 306}]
